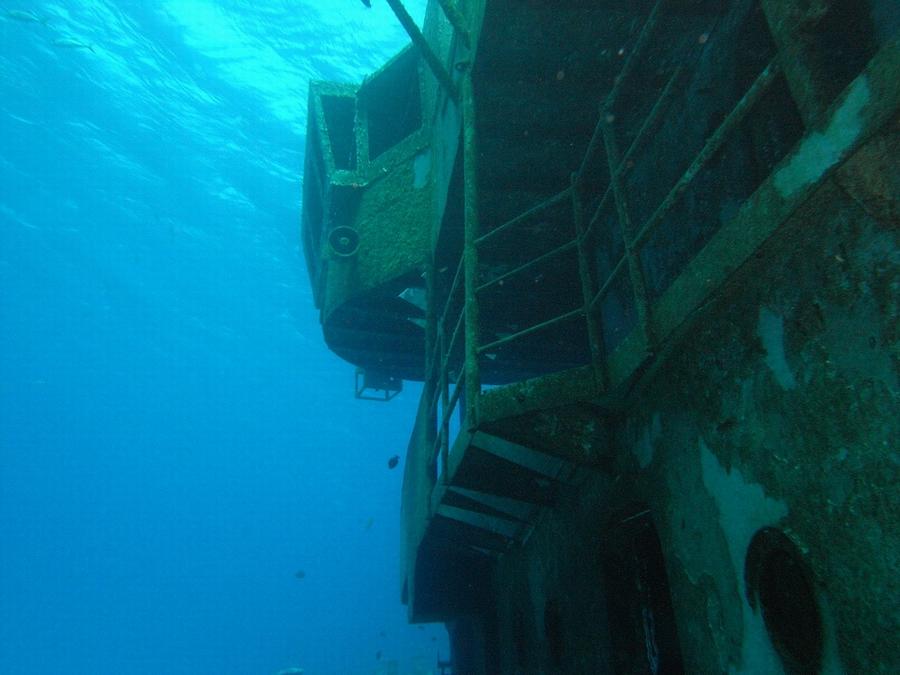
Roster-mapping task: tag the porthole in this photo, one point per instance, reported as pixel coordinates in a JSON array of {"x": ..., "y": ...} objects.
[{"x": 780, "y": 585}]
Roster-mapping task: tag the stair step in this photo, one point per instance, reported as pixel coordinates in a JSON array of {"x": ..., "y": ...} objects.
[
  {"x": 538, "y": 462},
  {"x": 456, "y": 530},
  {"x": 511, "y": 508},
  {"x": 507, "y": 529}
]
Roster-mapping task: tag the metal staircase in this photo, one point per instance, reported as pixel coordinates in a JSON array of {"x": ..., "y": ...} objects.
[
  {"x": 493, "y": 491},
  {"x": 560, "y": 289}
]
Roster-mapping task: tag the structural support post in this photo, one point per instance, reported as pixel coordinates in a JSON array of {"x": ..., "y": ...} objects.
[
  {"x": 431, "y": 363},
  {"x": 595, "y": 336},
  {"x": 444, "y": 430},
  {"x": 470, "y": 251},
  {"x": 437, "y": 68},
  {"x": 638, "y": 286}
]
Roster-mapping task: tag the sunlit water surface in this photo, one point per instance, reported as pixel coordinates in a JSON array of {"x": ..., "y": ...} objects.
[{"x": 176, "y": 443}]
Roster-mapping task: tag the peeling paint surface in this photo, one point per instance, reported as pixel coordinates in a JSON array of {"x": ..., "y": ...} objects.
[
  {"x": 643, "y": 449},
  {"x": 820, "y": 151},
  {"x": 744, "y": 508},
  {"x": 421, "y": 169},
  {"x": 771, "y": 331}
]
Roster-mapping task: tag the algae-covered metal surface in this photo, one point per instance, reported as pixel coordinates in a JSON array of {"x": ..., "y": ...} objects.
[{"x": 660, "y": 336}]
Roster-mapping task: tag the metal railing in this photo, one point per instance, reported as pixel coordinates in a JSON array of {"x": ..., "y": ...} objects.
[{"x": 450, "y": 379}]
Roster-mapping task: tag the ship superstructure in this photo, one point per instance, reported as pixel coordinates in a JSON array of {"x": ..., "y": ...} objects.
[{"x": 644, "y": 257}]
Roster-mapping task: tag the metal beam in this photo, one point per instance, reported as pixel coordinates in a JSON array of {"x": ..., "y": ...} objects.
[
  {"x": 470, "y": 250},
  {"x": 437, "y": 68},
  {"x": 586, "y": 275},
  {"x": 712, "y": 145},
  {"x": 632, "y": 254},
  {"x": 456, "y": 19}
]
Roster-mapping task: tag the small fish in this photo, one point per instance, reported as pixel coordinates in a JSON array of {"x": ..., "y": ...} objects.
[
  {"x": 367, "y": 3},
  {"x": 300, "y": 574},
  {"x": 69, "y": 43},
  {"x": 378, "y": 655},
  {"x": 26, "y": 17},
  {"x": 393, "y": 461},
  {"x": 368, "y": 525}
]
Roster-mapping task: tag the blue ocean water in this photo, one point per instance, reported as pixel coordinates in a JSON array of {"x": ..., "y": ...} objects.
[{"x": 176, "y": 442}]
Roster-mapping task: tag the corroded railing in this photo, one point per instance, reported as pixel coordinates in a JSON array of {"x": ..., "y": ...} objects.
[
  {"x": 446, "y": 382},
  {"x": 452, "y": 379}
]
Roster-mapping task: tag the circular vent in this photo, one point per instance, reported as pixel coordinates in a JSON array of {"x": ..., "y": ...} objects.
[{"x": 344, "y": 241}]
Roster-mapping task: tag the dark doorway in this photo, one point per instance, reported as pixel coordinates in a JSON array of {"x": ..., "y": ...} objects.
[{"x": 642, "y": 626}]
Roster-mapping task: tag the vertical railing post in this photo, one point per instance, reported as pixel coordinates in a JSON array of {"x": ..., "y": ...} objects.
[
  {"x": 470, "y": 251},
  {"x": 636, "y": 274},
  {"x": 445, "y": 401},
  {"x": 591, "y": 316},
  {"x": 431, "y": 364}
]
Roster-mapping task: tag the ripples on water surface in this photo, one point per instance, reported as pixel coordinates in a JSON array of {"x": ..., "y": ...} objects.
[{"x": 175, "y": 440}]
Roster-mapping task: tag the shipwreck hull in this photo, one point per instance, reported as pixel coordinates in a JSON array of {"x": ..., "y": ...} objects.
[{"x": 655, "y": 252}]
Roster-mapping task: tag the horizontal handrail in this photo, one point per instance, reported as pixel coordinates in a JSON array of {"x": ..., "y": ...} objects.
[
  {"x": 453, "y": 400},
  {"x": 531, "y": 263},
  {"x": 597, "y": 136},
  {"x": 435, "y": 353},
  {"x": 444, "y": 362},
  {"x": 436, "y": 447},
  {"x": 712, "y": 145},
  {"x": 525, "y": 215},
  {"x": 532, "y": 329},
  {"x": 442, "y": 322},
  {"x": 454, "y": 286},
  {"x": 459, "y": 322},
  {"x": 609, "y": 282},
  {"x": 447, "y": 414},
  {"x": 636, "y": 144},
  {"x": 642, "y": 41}
]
